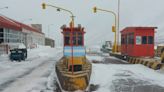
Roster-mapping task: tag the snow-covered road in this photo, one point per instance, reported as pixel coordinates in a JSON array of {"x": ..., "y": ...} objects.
[
  {"x": 30, "y": 75},
  {"x": 37, "y": 74}
]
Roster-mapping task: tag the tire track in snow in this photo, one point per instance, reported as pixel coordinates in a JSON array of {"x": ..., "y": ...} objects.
[{"x": 7, "y": 83}]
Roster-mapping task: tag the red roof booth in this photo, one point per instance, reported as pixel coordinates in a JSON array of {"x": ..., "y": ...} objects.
[{"x": 138, "y": 41}]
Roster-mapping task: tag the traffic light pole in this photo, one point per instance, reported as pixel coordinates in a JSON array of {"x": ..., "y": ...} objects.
[
  {"x": 71, "y": 26},
  {"x": 113, "y": 28}
]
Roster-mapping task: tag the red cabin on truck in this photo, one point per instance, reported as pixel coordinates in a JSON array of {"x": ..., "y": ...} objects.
[{"x": 138, "y": 41}]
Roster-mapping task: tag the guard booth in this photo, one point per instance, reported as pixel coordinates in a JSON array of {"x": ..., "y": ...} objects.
[
  {"x": 138, "y": 41},
  {"x": 78, "y": 51}
]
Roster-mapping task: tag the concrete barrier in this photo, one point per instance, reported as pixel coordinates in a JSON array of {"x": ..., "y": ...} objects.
[
  {"x": 141, "y": 61},
  {"x": 134, "y": 60},
  {"x": 151, "y": 64},
  {"x": 137, "y": 61},
  {"x": 131, "y": 60},
  {"x": 128, "y": 59},
  {"x": 144, "y": 62}
]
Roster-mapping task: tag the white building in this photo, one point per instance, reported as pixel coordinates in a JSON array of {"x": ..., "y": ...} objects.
[{"x": 12, "y": 31}]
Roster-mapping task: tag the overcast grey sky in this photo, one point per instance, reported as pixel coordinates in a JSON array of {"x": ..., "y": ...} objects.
[{"x": 97, "y": 26}]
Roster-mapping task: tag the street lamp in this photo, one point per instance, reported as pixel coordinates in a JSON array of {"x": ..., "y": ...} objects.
[
  {"x": 4, "y": 8},
  {"x": 71, "y": 26},
  {"x": 118, "y": 26},
  {"x": 49, "y": 28},
  {"x": 95, "y": 9}
]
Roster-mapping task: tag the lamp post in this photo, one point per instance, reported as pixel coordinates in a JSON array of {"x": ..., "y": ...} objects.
[
  {"x": 71, "y": 26},
  {"x": 4, "y": 8},
  {"x": 118, "y": 26},
  {"x": 95, "y": 9},
  {"x": 49, "y": 28}
]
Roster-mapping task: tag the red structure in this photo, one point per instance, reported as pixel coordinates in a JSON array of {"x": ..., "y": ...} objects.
[
  {"x": 138, "y": 41},
  {"x": 78, "y": 36},
  {"x": 6, "y": 22}
]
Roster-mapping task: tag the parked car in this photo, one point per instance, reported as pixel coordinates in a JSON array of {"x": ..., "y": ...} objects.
[{"x": 18, "y": 52}]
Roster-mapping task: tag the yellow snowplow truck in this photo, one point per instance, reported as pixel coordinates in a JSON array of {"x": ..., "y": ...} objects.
[{"x": 162, "y": 55}]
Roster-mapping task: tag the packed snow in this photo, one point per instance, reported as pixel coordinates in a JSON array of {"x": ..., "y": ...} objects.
[
  {"x": 30, "y": 75},
  {"x": 104, "y": 75},
  {"x": 37, "y": 73}
]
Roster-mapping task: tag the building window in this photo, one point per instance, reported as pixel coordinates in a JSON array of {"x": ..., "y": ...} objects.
[
  {"x": 74, "y": 40},
  {"x": 138, "y": 40},
  {"x": 12, "y": 36},
  {"x": 122, "y": 39},
  {"x": 150, "y": 40},
  {"x": 67, "y": 40},
  {"x": 1, "y": 35},
  {"x": 144, "y": 39},
  {"x": 80, "y": 40},
  {"x": 77, "y": 39},
  {"x": 126, "y": 39},
  {"x": 131, "y": 38}
]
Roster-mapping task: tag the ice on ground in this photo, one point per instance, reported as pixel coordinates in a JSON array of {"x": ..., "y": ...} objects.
[{"x": 106, "y": 75}]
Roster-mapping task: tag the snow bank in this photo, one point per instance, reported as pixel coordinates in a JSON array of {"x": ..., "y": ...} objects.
[{"x": 42, "y": 51}]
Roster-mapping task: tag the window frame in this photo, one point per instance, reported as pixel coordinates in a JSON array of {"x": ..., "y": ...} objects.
[
  {"x": 150, "y": 40},
  {"x": 144, "y": 41},
  {"x": 76, "y": 36}
]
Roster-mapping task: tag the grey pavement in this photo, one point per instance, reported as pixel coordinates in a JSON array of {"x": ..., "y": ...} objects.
[{"x": 109, "y": 60}]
